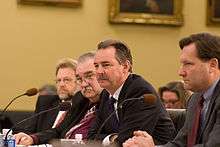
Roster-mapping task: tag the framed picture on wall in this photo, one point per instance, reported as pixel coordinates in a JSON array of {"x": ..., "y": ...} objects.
[
  {"x": 65, "y": 3},
  {"x": 213, "y": 11},
  {"x": 164, "y": 12}
]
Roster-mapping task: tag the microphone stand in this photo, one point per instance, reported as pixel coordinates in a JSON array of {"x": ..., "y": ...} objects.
[
  {"x": 147, "y": 98},
  {"x": 62, "y": 105},
  {"x": 119, "y": 106},
  {"x": 2, "y": 118},
  {"x": 29, "y": 92},
  {"x": 11, "y": 102},
  {"x": 26, "y": 119}
]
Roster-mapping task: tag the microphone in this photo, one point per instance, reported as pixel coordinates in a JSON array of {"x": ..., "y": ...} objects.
[
  {"x": 29, "y": 92},
  {"x": 149, "y": 99},
  {"x": 62, "y": 106}
]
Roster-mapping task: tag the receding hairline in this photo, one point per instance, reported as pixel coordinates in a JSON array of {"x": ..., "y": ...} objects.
[
  {"x": 66, "y": 63},
  {"x": 86, "y": 56}
]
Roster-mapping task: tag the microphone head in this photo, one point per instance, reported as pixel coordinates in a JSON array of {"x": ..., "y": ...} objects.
[
  {"x": 31, "y": 92},
  {"x": 64, "y": 106},
  {"x": 149, "y": 98}
]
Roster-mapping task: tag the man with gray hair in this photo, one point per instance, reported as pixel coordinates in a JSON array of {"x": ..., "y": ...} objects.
[{"x": 82, "y": 113}]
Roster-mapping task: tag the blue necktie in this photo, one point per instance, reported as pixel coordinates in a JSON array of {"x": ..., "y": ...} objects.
[{"x": 113, "y": 120}]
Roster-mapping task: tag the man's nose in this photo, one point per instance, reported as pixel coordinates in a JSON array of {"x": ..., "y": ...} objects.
[
  {"x": 181, "y": 72},
  {"x": 62, "y": 83},
  {"x": 99, "y": 69},
  {"x": 84, "y": 83}
]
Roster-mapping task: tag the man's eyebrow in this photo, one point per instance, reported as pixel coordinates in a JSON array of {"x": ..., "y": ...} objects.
[
  {"x": 88, "y": 72},
  {"x": 103, "y": 62}
]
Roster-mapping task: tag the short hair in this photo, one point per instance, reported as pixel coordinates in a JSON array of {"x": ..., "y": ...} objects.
[
  {"x": 207, "y": 45},
  {"x": 178, "y": 88},
  {"x": 66, "y": 63},
  {"x": 122, "y": 52},
  {"x": 86, "y": 56}
]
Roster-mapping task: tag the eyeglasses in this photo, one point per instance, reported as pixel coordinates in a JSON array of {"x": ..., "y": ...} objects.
[
  {"x": 65, "y": 80},
  {"x": 86, "y": 77}
]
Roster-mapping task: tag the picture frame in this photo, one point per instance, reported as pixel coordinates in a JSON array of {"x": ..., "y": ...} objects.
[
  {"x": 213, "y": 12},
  {"x": 158, "y": 12},
  {"x": 62, "y": 3}
]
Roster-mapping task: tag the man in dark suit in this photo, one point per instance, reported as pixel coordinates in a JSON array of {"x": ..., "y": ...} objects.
[
  {"x": 113, "y": 63},
  {"x": 200, "y": 70},
  {"x": 82, "y": 112},
  {"x": 46, "y": 120},
  {"x": 66, "y": 86}
]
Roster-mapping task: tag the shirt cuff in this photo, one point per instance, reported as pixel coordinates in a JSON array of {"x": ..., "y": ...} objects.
[
  {"x": 35, "y": 139},
  {"x": 106, "y": 140}
]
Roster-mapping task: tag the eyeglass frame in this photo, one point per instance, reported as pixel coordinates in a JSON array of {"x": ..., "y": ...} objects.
[
  {"x": 88, "y": 76},
  {"x": 66, "y": 80}
]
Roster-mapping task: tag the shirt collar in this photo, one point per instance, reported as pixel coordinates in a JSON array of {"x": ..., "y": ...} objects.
[
  {"x": 117, "y": 92},
  {"x": 208, "y": 93}
]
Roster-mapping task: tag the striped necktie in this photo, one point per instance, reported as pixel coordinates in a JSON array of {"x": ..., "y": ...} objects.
[{"x": 192, "y": 134}]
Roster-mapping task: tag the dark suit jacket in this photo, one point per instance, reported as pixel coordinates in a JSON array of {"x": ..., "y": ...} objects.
[
  {"x": 80, "y": 105},
  {"x": 45, "y": 120},
  {"x": 135, "y": 114},
  {"x": 211, "y": 133}
]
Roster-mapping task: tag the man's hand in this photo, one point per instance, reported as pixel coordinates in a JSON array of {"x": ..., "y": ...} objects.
[
  {"x": 23, "y": 139},
  {"x": 140, "y": 139}
]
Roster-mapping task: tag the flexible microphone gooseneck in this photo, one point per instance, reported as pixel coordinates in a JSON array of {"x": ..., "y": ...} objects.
[
  {"x": 29, "y": 92},
  {"x": 148, "y": 99},
  {"x": 62, "y": 106}
]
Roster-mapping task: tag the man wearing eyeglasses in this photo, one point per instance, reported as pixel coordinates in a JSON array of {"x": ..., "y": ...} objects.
[
  {"x": 66, "y": 87},
  {"x": 66, "y": 78},
  {"x": 82, "y": 113}
]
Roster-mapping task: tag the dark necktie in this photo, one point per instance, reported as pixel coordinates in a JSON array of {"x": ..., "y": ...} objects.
[
  {"x": 113, "y": 120},
  {"x": 192, "y": 135}
]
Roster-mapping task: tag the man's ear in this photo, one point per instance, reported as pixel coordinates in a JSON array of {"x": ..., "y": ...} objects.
[
  {"x": 126, "y": 65},
  {"x": 213, "y": 63}
]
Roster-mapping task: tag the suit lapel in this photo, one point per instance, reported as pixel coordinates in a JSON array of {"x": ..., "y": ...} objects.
[
  {"x": 210, "y": 107},
  {"x": 124, "y": 89},
  {"x": 122, "y": 95}
]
